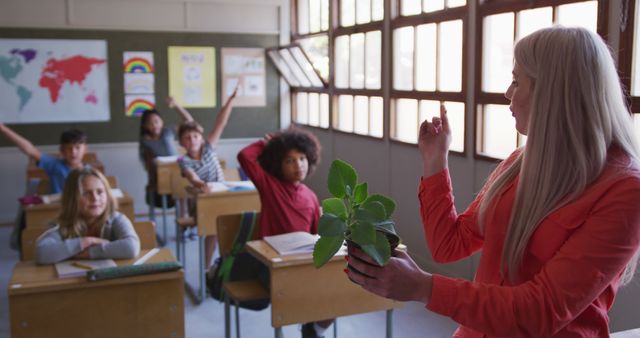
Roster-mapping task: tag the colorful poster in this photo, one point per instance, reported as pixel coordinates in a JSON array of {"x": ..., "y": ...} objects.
[
  {"x": 245, "y": 68},
  {"x": 192, "y": 76},
  {"x": 134, "y": 105},
  {"x": 138, "y": 62},
  {"x": 50, "y": 80}
]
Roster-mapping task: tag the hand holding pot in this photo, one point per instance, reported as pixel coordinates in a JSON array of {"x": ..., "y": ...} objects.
[{"x": 400, "y": 279}]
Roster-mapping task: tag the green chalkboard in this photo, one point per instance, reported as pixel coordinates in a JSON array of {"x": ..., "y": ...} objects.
[{"x": 244, "y": 122}]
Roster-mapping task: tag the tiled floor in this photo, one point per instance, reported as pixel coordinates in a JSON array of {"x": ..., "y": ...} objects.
[{"x": 207, "y": 319}]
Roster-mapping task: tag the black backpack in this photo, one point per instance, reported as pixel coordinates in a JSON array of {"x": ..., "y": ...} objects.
[{"x": 239, "y": 265}]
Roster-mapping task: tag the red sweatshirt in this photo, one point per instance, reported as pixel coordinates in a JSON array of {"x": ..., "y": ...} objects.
[
  {"x": 286, "y": 207},
  {"x": 571, "y": 268}
]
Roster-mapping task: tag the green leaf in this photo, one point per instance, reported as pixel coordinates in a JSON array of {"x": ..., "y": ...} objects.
[
  {"x": 330, "y": 225},
  {"x": 371, "y": 211},
  {"x": 389, "y": 204},
  {"x": 325, "y": 248},
  {"x": 360, "y": 193},
  {"x": 334, "y": 206},
  {"x": 341, "y": 175},
  {"x": 380, "y": 250},
  {"x": 388, "y": 225},
  {"x": 363, "y": 232}
]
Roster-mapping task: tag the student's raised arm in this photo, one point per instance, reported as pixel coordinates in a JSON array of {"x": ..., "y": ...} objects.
[
  {"x": 221, "y": 120},
  {"x": 184, "y": 114},
  {"x": 23, "y": 144}
]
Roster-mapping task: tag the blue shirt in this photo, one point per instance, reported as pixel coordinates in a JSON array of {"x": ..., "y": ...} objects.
[{"x": 57, "y": 170}]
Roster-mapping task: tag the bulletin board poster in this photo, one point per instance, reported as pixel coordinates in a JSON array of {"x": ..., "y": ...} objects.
[
  {"x": 53, "y": 80},
  {"x": 139, "y": 82},
  {"x": 244, "y": 68},
  {"x": 192, "y": 76}
]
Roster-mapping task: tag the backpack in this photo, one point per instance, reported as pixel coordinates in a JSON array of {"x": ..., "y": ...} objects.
[{"x": 239, "y": 265}]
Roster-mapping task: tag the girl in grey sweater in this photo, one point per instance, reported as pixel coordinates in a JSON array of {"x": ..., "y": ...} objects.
[{"x": 89, "y": 227}]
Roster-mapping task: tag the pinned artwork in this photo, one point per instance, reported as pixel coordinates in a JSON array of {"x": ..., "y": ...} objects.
[
  {"x": 139, "y": 82},
  {"x": 245, "y": 68}
]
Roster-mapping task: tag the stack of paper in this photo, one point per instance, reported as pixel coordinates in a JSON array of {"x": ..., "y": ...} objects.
[
  {"x": 292, "y": 243},
  {"x": 70, "y": 269},
  {"x": 167, "y": 159}
]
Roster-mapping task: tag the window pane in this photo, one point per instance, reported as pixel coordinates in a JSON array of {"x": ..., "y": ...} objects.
[
  {"x": 356, "y": 62},
  {"x": 324, "y": 15},
  {"x": 450, "y": 56},
  {"x": 283, "y": 68},
  {"x": 347, "y": 12},
  {"x": 499, "y": 134},
  {"x": 497, "y": 52},
  {"x": 342, "y": 61},
  {"x": 407, "y": 120},
  {"x": 635, "y": 65},
  {"x": 363, "y": 11},
  {"x": 314, "y": 15},
  {"x": 410, "y": 7},
  {"x": 426, "y": 57},
  {"x": 456, "y": 3},
  {"x": 345, "y": 113},
  {"x": 303, "y": 16},
  {"x": 314, "y": 109},
  {"x": 361, "y": 115},
  {"x": 377, "y": 11},
  {"x": 433, "y": 5},
  {"x": 582, "y": 14},
  {"x": 297, "y": 71},
  {"x": 317, "y": 49},
  {"x": 324, "y": 110},
  {"x": 403, "y": 58},
  {"x": 376, "y": 108},
  {"x": 372, "y": 59},
  {"x": 306, "y": 67},
  {"x": 302, "y": 105},
  {"x": 455, "y": 113},
  {"x": 531, "y": 20}
]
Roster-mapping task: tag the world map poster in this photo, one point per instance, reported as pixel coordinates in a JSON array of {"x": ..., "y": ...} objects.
[{"x": 50, "y": 80}]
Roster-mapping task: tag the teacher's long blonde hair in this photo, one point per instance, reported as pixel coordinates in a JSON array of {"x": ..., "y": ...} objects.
[{"x": 577, "y": 112}]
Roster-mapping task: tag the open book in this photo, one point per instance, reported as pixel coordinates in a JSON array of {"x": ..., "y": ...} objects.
[
  {"x": 79, "y": 268},
  {"x": 292, "y": 243}
]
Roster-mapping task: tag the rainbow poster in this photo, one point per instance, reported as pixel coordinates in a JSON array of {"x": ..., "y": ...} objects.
[
  {"x": 136, "y": 104},
  {"x": 139, "y": 82}
]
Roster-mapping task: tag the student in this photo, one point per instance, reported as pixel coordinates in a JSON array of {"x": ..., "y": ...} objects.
[
  {"x": 157, "y": 140},
  {"x": 200, "y": 164},
  {"x": 557, "y": 222},
  {"x": 89, "y": 225},
  {"x": 277, "y": 166},
  {"x": 73, "y": 146}
]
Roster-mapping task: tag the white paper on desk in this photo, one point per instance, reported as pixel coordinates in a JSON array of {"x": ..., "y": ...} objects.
[
  {"x": 117, "y": 193},
  {"x": 217, "y": 186},
  {"x": 66, "y": 269},
  {"x": 292, "y": 243},
  {"x": 51, "y": 198},
  {"x": 167, "y": 159},
  {"x": 241, "y": 184}
]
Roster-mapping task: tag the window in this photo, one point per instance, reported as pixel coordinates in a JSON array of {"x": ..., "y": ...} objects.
[
  {"x": 427, "y": 67},
  {"x": 499, "y": 27}
]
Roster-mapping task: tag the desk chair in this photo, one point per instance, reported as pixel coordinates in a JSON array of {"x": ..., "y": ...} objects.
[
  {"x": 145, "y": 230},
  {"x": 179, "y": 186},
  {"x": 237, "y": 291}
]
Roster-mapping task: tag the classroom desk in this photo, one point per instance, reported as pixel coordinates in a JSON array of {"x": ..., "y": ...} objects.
[
  {"x": 300, "y": 293},
  {"x": 164, "y": 171},
  {"x": 41, "y": 215},
  {"x": 208, "y": 207},
  {"x": 41, "y": 305}
]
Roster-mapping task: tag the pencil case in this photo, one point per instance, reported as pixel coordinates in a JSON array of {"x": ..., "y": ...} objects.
[{"x": 132, "y": 270}]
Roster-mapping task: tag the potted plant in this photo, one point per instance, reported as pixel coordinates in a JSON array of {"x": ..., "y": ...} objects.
[{"x": 353, "y": 215}]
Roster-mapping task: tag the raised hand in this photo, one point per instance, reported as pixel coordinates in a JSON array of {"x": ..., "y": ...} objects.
[
  {"x": 171, "y": 102},
  {"x": 434, "y": 139}
]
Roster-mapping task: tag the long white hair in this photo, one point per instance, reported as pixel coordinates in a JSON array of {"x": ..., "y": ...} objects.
[{"x": 577, "y": 112}]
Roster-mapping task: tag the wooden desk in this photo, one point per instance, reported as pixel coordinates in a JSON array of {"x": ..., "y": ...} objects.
[
  {"x": 211, "y": 205},
  {"x": 41, "y": 215},
  {"x": 41, "y": 305},
  {"x": 300, "y": 293}
]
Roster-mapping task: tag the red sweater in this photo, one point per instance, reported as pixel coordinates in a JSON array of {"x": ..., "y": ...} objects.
[
  {"x": 571, "y": 268},
  {"x": 286, "y": 207}
]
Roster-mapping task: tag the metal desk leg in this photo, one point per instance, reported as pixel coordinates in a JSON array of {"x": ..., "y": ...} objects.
[
  {"x": 164, "y": 218},
  {"x": 201, "y": 276},
  {"x": 278, "y": 332},
  {"x": 237, "y": 320},
  {"x": 227, "y": 320},
  {"x": 335, "y": 328},
  {"x": 390, "y": 323},
  {"x": 178, "y": 236}
]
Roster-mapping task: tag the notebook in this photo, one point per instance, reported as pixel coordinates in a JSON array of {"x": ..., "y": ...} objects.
[
  {"x": 292, "y": 243},
  {"x": 167, "y": 159},
  {"x": 79, "y": 268}
]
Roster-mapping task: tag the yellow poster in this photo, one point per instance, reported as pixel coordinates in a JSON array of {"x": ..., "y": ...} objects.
[{"x": 192, "y": 76}]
